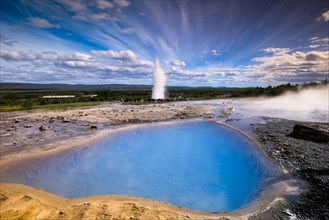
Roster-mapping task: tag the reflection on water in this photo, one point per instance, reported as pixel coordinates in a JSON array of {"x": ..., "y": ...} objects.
[{"x": 197, "y": 165}]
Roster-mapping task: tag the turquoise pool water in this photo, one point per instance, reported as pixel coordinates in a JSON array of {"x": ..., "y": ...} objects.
[{"x": 197, "y": 165}]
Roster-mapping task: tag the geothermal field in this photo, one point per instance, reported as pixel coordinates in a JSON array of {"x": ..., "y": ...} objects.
[
  {"x": 164, "y": 110},
  {"x": 107, "y": 155}
]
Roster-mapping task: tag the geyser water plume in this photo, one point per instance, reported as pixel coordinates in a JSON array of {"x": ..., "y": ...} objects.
[{"x": 159, "y": 81}]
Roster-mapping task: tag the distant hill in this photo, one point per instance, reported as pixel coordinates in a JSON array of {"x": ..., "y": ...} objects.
[{"x": 34, "y": 86}]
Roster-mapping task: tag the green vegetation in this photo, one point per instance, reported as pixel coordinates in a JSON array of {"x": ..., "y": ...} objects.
[
  {"x": 8, "y": 108},
  {"x": 14, "y": 97}
]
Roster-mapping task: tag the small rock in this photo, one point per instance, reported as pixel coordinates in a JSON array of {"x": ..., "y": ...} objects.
[
  {"x": 43, "y": 127},
  {"x": 65, "y": 120},
  {"x": 26, "y": 198},
  {"x": 27, "y": 126},
  {"x": 51, "y": 120},
  {"x": 93, "y": 127},
  {"x": 3, "y": 197},
  {"x": 13, "y": 128}
]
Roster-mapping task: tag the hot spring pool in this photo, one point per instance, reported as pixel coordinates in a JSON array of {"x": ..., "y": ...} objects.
[{"x": 197, "y": 165}]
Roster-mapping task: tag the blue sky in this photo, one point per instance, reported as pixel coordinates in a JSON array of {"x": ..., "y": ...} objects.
[{"x": 199, "y": 42}]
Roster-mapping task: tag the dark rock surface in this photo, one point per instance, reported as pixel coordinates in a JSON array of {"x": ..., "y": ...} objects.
[
  {"x": 305, "y": 159},
  {"x": 311, "y": 132},
  {"x": 93, "y": 127}
]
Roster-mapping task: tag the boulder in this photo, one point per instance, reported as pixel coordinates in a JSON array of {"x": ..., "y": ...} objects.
[
  {"x": 43, "y": 127},
  {"x": 310, "y": 133}
]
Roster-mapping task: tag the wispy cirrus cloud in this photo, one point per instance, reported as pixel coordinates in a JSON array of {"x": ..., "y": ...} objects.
[
  {"x": 7, "y": 41},
  {"x": 42, "y": 23},
  {"x": 175, "y": 62},
  {"x": 122, "y": 56},
  {"x": 317, "y": 42},
  {"x": 128, "y": 30}
]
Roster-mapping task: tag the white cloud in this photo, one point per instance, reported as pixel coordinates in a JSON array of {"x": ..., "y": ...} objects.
[
  {"x": 95, "y": 10},
  {"x": 126, "y": 56},
  {"x": 314, "y": 46},
  {"x": 285, "y": 67},
  {"x": 319, "y": 40},
  {"x": 42, "y": 23},
  {"x": 215, "y": 53},
  {"x": 212, "y": 52},
  {"x": 176, "y": 63},
  {"x": 128, "y": 30},
  {"x": 44, "y": 56},
  {"x": 10, "y": 55},
  {"x": 103, "y": 4},
  {"x": 276, "y": 50},
  {"x": 120, "y": 55},
  {"x": 79, "y": 56},
  {"x": 74, "y": 66},
  {"x": 122, "y": 3},
  {"x": 324, "y": 16},
  {"x": 79, "y": 64}
]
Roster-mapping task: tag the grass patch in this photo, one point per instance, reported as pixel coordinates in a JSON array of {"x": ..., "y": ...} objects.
[
  {"x": 66, "y": 105},
  {"x": 8, "y": 108},
  {"x": 49, "y": 106}
]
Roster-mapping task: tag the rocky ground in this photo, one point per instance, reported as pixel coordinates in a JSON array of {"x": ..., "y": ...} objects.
[
  {"x": 295, "y": 150},
  {"x": 305, "y": 155}
]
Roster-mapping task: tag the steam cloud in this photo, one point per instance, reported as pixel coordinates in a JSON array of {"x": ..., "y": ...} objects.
[
  {"x": 159, "y": 81},
  {"x": 307, "y": 104}
]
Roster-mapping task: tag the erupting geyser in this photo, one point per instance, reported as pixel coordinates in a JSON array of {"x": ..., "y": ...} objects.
[{"x": 159, "y": 81}]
